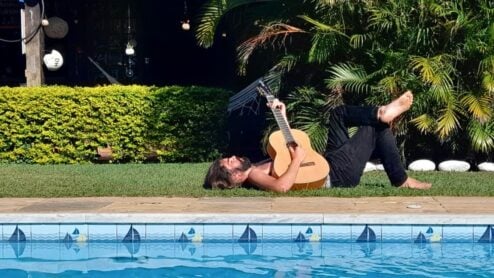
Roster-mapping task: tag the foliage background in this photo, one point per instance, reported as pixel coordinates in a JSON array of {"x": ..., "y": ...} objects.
[
  {"x": 369, "y": 52},
  {"x": 56, "y": 124}
]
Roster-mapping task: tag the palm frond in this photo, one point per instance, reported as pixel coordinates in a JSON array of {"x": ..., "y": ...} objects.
[
  {"x": 479, "y": 107},
  {"x": 349, "y": 77},
  {"x": 390, "y": 84},
  {"x": 424, "y": 123},
  {"x": 358, "y": 40},
  {"x": 436, "y": 71},
  {"x": 309, "y": 114},
  {"x": 487, "y": 64},
  {"x": 481, "y": 136},
  {"x": 275, "y": 34},
  {"x": 210, "y": 16},
  {"x": 323, "y": 27},
  {"x": 447, "y": 121},
  {"x": 323, "y": 45},
  {"x": 274, "y": 75},
  {"x": 488, "y": 82}
]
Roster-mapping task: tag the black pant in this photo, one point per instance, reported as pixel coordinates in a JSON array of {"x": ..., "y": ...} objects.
[{"x": 347, "y": 156}]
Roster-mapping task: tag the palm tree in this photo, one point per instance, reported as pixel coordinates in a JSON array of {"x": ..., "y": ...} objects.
[{"x": 374, "y": 50}]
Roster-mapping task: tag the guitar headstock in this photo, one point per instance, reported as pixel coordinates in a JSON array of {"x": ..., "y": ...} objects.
[{"x": 265, "y": 91}]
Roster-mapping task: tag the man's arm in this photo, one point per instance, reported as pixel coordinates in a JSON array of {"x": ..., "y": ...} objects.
[{"x": 284, "y": 182}]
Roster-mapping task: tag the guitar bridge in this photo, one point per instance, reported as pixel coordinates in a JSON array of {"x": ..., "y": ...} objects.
[{"x": 305, "y": 164}]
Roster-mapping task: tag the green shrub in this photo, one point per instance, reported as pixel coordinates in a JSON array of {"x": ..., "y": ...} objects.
[{"x": 66, "y": 125}]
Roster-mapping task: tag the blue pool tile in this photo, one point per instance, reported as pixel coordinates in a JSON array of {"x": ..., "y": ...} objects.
[
  {"x": 337, "y": 233},
  {"x": 396, "y": 233},
  {"x": 276, "y": 233},
  {"x": 74, "y": 250},
  {"x": 130, "y": 232},
  {"x": 483, "y": 233},
  {"x": 485, "y": 250},
  {"x": 13, "y": 250},
  {"x": 218, "y": 233},
  {"x": 38, "y": 250},
  {"x": 189, "y": 250},
  {"x": 219, "y": 250},
  {"x": 165, "y": 249},
  {"x": 247, "y": 248},
  {"x": 102, "y": 232},
  {"x": 12, "y": 232},
  {"x": 307, "y": 248},
  {"x": 427, "y": 233},
  {"x": 160, "y": 232},
  {"x": 247, "y": 233},
  {"x": 45, "y": 232},
  {"x": 189, "y": 233},
  {"x": 273, "y": 249},
  {"x": 307, "y": 233},
  {"x": 103, "y": 250},
  {"x": 458, "y": 233},
  {"x": 75, "y": 233},
  {"x": 366, "y": 233},
  {"x": 130, "y": 249}
]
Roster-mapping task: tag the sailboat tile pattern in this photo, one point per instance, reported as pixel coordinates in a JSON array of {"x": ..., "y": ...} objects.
[
  {"x": 306, "y": 233},
  {"x": 427, "y": 233},
  {"x": 483, "y": 234},
  {"x": 247, "y": 233},
  {"x": 366, "y": 233},
  {"x": 189, "y": 233},
  {"x": 74, "y": 236},
  {"x": 13, "y": 233}
]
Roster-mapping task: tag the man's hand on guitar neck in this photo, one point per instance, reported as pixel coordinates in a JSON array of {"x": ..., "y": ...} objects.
[{"x": 277, "y": 104}]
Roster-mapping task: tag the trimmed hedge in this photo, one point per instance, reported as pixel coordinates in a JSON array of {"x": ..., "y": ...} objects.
[{"x": 57, "y": 124}]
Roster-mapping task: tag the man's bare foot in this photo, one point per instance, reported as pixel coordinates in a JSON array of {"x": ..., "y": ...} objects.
[
  {"x": 389, "y": 112},
  {"x": 415, "y": 184}
]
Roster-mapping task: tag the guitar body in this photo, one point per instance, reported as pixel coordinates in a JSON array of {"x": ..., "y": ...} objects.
[{"x": 313, "y": 170}]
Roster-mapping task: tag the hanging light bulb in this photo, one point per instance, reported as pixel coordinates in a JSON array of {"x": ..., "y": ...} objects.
[
  {"x": 186, "y": 21},
  {"x": 186, "y": 25},
  {"x": 129, "y": 50}
]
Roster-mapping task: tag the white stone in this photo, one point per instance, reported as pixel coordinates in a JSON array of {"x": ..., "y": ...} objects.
[
  {"x": 454, "y": 166},
  {"x": 369, "y": 166},
  {"x": 380, "y": 167},
  {"x": 486, "y": 167},
  {"x": 422, "y": 165}
]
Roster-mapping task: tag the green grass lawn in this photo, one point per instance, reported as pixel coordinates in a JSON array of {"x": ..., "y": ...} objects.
[{"x": 185, "y": 180}]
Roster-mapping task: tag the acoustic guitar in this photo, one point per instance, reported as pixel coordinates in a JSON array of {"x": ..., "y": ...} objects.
[{"x": 313, "y": 170}]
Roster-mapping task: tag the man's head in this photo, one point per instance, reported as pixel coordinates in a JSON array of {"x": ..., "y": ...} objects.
[{"x": 227, "y": 173}]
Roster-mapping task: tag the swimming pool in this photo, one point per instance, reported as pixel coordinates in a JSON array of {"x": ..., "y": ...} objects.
[
  {"x": 245, "y": 249},
  {"x": 301, "y": 259}
]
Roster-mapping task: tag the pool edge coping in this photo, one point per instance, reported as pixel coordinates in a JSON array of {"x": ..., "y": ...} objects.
[{"x": 258, "y": 218}]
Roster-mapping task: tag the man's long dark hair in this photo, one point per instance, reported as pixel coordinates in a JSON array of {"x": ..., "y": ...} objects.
[{"x": 218, "y": 177}]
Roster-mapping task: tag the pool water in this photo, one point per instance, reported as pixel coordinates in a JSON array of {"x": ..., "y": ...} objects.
[{"x": 238, "y": 259}]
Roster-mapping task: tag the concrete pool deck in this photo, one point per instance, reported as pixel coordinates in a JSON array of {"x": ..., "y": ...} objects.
[{"x": 383, "y": 210}]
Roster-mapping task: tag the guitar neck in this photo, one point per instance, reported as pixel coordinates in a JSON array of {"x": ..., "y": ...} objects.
[
  {"x": 278, "y": 116},
  {"x": 284, "y": 126}
]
